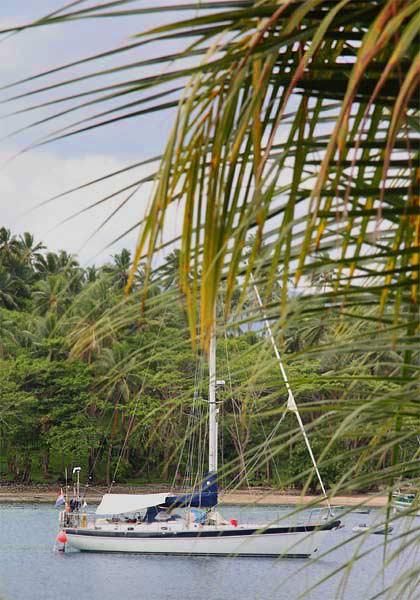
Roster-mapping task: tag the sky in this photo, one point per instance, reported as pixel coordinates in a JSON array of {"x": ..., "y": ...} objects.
[{"x": 29, "y": 178}]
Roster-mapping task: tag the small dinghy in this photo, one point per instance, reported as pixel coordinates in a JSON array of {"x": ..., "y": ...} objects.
[{"x": 380, "y": 530}]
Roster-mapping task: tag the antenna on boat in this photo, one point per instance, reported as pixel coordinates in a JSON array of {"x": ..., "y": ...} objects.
[
  {"x": 77, "y": 471},
  {"x": 291, "y": 402}
]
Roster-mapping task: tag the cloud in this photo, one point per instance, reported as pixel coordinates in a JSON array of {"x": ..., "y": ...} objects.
[
  {"x": 33, "y": 178},
  {"x": 38, "y": 175},
  {"x": 34, "y": 51}
]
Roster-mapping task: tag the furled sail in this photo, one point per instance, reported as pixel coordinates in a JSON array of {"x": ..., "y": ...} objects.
[{"x": 206, "y": 496}]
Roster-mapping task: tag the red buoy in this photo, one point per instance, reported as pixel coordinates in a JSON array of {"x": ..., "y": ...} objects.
[
  {"x": 234, "y": 522},
  {"x": 61, "y": 537}
]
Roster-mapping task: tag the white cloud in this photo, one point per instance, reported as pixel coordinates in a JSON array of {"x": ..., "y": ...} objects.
[{"x": 35, "y": 177}]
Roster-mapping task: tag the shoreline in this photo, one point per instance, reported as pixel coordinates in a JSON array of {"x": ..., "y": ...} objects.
[{"x": 48, "y": 494}]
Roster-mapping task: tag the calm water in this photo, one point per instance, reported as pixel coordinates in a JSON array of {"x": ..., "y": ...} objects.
[{"x": 30, "y": 570}]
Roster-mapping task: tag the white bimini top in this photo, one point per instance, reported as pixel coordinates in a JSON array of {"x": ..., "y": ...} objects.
[{"x": 118, "y": 504}]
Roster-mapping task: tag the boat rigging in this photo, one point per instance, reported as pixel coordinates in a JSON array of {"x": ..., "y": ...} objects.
[{"x": 149, "y": 523}]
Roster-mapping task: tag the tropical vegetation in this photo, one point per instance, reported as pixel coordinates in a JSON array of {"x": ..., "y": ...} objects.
[{"x": 89, "y": 378}]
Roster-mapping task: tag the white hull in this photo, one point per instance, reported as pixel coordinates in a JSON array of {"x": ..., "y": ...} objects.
[
  {"x": 406, "y": 507},
  {"x": 210, "y": 540}
]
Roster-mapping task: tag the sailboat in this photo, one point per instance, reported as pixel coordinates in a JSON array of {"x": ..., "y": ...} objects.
[{"x": 149, "y": 524}]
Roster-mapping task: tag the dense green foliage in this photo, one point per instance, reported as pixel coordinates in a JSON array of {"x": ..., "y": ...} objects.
[{"x": 89, "y": 378}]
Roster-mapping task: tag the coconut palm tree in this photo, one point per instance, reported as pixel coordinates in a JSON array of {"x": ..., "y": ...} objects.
[
  {"x": 7, "y": 289},
  {"x": 52, "y": 263},
  {"x": 8, "y": 243},
  {"x": 119, "y": 269},
  {"x": 51, "y": 295},
  {"x": 91, "y": 274},
  {"x": 28, "y": 249},
  {"x": 116, "y": 365},
  {"x": 89, "y": 322},
  {"x": 47, "y": 264},
  {"x": 169, "y": 271}
]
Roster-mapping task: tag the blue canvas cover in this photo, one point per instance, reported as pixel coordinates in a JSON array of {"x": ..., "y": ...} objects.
[{"x": 205, "y": 497}]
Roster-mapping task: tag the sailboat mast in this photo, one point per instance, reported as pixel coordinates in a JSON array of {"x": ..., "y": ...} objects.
[{"x": 213, "y": 424}]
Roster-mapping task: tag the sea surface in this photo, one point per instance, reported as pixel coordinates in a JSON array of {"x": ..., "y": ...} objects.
[{"x": 31, "y": 570}]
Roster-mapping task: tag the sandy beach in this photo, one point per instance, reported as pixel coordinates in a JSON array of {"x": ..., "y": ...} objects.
[{"x": 48, "y": 494}]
